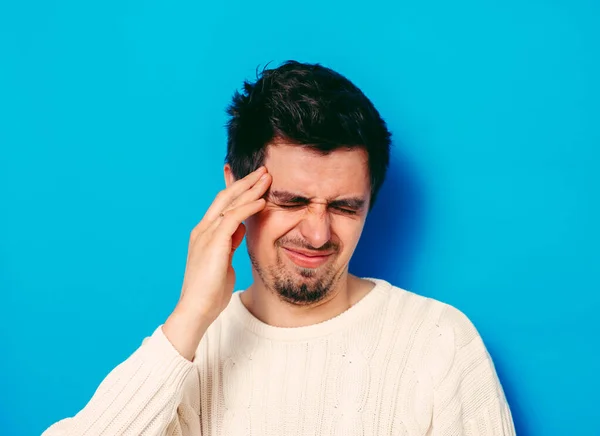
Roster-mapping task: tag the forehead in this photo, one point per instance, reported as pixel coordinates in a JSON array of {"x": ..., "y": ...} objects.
[{"x": 341, "y": 172}]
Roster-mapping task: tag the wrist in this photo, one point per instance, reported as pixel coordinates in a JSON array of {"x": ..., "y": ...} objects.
[{"x": 185, "y": 329}]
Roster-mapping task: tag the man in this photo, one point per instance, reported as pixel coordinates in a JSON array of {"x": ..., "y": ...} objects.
[{"x": 307, "y": 349}]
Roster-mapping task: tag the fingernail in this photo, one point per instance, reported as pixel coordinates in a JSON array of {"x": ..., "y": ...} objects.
[{"x": 263, "y": 177}]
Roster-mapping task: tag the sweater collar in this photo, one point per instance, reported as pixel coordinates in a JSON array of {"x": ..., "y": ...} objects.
[{"x": 366, "y": 306}]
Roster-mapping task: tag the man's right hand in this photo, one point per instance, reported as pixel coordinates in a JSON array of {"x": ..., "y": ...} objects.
[{"x": 209, "y": 276}]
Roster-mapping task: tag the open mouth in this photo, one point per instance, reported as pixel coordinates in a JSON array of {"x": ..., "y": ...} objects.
[{"x": 306, "y": 259}]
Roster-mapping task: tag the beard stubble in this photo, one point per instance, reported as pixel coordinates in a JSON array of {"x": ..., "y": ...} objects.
[{"x": 312, "y": 285}]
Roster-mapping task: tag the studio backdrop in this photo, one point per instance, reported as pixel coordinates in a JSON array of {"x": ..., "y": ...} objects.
[{"x": 112, "y": 144}]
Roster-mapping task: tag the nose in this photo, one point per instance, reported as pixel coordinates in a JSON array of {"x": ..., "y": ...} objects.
[{"x": 315, "y": 226}]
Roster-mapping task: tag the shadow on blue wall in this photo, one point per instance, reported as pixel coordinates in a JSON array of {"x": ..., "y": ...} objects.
[
  {"x": 511, "y": 393},
  {"x": 391, "y": 241}
]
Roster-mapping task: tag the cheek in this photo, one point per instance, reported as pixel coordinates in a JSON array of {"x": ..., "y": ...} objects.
[
  {"x": 348, "y": 232},
  {"x": 266, "y": 227}
]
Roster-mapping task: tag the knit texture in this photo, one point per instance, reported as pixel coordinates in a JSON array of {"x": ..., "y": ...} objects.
[{"x": 395, "y": 363}]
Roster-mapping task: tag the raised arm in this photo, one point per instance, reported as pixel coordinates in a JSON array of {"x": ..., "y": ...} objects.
[{"x": 155, "y": 392}]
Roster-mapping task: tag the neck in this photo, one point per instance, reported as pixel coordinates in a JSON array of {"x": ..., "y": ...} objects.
[{"x": 270, "y": 308}]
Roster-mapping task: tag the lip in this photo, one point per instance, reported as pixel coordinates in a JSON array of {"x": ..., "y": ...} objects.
[{"x": 306, "y": 260}]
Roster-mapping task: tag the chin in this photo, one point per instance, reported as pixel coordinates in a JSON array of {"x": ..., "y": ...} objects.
[
  {"x": 297, "y": 284},
  {"x": 308, "y": 273}
]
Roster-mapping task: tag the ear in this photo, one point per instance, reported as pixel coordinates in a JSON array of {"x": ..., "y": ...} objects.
[{"x": 228, "y": 174}]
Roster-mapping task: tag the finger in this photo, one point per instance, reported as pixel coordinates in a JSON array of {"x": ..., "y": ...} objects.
[
  {"x": 217, "y": 222},
  {"x": 231, "y": 219},
  {"x": 226, "y": 196},
  {"x": 254, "y": 193},
  {"x": 237, "y": 237}
]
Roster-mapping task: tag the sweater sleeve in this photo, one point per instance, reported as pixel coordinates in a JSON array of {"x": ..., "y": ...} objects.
[
  {"x": 468, "y": 397},
  {"x": 155, "y": 392}
]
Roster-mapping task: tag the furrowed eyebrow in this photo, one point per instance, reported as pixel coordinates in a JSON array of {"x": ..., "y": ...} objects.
[
  {"x": 355, "y": 203},
  {"x": 287, "y": 197}
]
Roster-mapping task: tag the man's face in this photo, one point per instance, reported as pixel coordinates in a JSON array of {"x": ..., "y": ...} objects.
[{"x": 301, "y": 243}]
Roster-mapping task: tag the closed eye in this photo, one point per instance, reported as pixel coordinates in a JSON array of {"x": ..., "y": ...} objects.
[
  {"x": 346, "y": 211},
  {"x": 288, "y": 200},
  {"x": 337, "y": 209}
]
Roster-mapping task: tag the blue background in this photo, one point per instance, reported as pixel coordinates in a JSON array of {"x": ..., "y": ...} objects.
[{"x": 112, "y": 145}]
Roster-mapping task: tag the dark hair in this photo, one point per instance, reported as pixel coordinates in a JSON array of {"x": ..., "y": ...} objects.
[{"x": 308, "y": 105}]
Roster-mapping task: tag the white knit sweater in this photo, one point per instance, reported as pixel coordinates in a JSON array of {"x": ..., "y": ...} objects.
[{"x": 395, "y": 363}]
